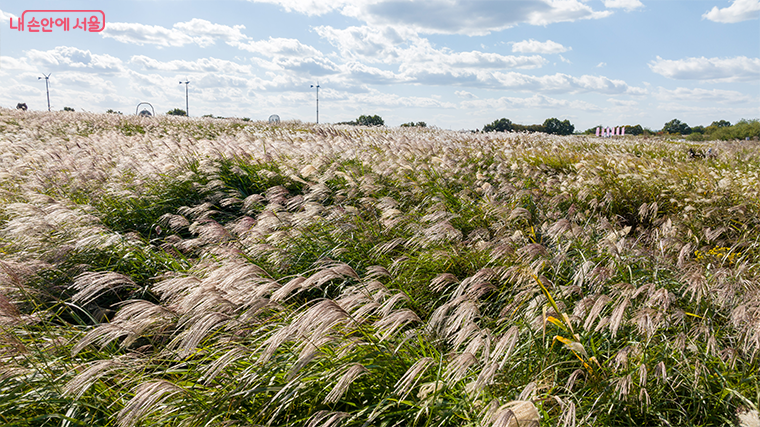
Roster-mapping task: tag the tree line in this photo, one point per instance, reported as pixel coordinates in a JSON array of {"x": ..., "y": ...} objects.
[
  {"x": 551, "y": 126},
  {"x": 719, "y": 129}
]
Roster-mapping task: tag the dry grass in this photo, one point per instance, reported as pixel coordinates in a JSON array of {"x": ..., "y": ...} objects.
[{"x": 169, "y": 271}]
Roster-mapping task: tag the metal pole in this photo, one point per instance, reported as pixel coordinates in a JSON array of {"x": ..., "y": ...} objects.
[
  {"x": 47, "y": 88},
  {"x": 187, "y": 103},
  {"x": 317, "y": 101}
]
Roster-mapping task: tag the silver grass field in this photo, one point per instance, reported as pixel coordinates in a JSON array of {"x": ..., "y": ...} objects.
[{"x": 217, "y": 272}]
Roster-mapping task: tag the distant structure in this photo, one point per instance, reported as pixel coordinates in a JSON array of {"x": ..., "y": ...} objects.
[
  {"x": 317, "y": 86},
  {"x": 274, "y": 119},
  {"x": 187, "y": 102},
  {"x": 21, "y": 106},
  {"x": 47, "y": 87},
  {"x": 608, "y": 131},
  {"x": 145, "y": 112}
]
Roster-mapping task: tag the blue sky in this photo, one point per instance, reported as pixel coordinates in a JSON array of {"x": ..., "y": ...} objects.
[{"x": 455, "y": 64}]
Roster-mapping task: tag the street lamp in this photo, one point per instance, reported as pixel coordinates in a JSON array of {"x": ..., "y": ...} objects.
[
  {"x": 187, "y": 105},
  {"x": 47, "y": 88},
  {"x": 317, "y": 101}
]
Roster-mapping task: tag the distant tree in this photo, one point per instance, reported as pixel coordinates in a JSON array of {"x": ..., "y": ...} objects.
[
  {"x": 110, "y": 111},
  {"x": 177, "y": 112},
  {"x": 696, "y": 136},
  {"x": 676, "y": 127},
  {"x": 370, "y": 120},
  {"x": 527, "y": 128},
  {"x": 721, "y": 123},
  {"x": 501, "y": 125},
  {"x": 412, "y": 124},
  {"x": 633, "y": 130},
  {"x": 590, "y": 131},
  {"x": 698, "y": 129},
  {"x": 68, "y": 109},
  {"x": 556, "y": 127}
]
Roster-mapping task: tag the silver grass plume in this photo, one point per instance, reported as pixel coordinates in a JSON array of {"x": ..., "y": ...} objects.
[
  {"x": 149, "y": 397},
  {"x": 353, "y": 372}
]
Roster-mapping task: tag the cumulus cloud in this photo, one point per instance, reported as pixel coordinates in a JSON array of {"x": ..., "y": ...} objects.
[
  {"x": 199, "y": 65},
  {"x": 277, "y": 46},
  {"x": 70, "y": 58},
  {"x": 534, "y": 46},
  {"x": 417, "y": 55},
  {"x": 77, "y": 80},
  {"x": 564, "y": 83},
  {"x": 370, "y": 75},
  {"x": 737, "y": 69},
  {"x": 464, "y": 94},
  {"x": 207, "y": 31},
  {"x": 367, "y": 43},
  {"x": 622, "y": 102},
  {"x": 308, "y": 7},
  {"x": 702, "y": 95},
  {"x": 196, "y": 31},
  {"x": 622, "y": 4},
  {"x": 312, "y": 66},
  {"x": 536, "y": 101},
  {"x": 470, "y": 17},
  {"x": 5, "y": 18},
  {"x": 740, "y": 10},
  {"x": 11, "y": 63}
]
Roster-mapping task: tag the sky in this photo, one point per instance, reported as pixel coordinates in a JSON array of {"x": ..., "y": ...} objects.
[{"x": 454, "y": 64}]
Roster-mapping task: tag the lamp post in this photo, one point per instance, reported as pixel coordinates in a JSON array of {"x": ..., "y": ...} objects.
[
  {"x": 187, "y": 105},
  {"x": 47, "y": 88},
  {"x": 317, "y": 86}
]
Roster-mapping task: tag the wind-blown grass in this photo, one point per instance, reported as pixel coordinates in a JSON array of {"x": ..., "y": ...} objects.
[{"x": 169, "y": 271}]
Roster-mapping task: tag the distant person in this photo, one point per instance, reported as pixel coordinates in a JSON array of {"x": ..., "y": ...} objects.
[{"x": 21, "y": 106}]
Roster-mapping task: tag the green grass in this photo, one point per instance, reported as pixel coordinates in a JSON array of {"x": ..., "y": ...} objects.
[{"x": 289, "y": 274}]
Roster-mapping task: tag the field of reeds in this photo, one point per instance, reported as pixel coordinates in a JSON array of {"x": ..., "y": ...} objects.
[{"x": 203, "y": 272}]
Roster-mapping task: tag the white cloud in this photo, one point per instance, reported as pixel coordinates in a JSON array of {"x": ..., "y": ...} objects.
[
  {"x": 464, "y": 94},
  {"x": 312, "y": 66},
  {"x": 623, "y": 4},
  {"x": 208, "y": 31},
  {"x": 370, "y": 75},
  {"x": 535, "y": 101},
  {"x": 601, "y": 64},
  {"x": 196, "y": 31},
  {"x": 11, "y": 63},
  {"x": 470, "y": 17},
  {"x": 735, "y": 69},
  {"x": 622, "y": 102},
  {"x": 277, "y": 47},
  {"x": 417, "y": 55},
  {"x": 141, "y": 34},
  {"x": 534, "y": 46},
  {"x": 370, "y": 44},
  {"x": 564, "y": 83},
  {"x": 199, "y": 65},
  {"x": 5, "y": 18},
  {"x": 740, "y": 10},
  {"x": 70, "y": 58},
  {"x": 703, "y": 95},
  {"x": 308, "y": 7}
]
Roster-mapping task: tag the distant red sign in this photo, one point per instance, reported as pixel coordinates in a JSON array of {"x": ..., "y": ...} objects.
[{"x": 45, "y": 21}]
